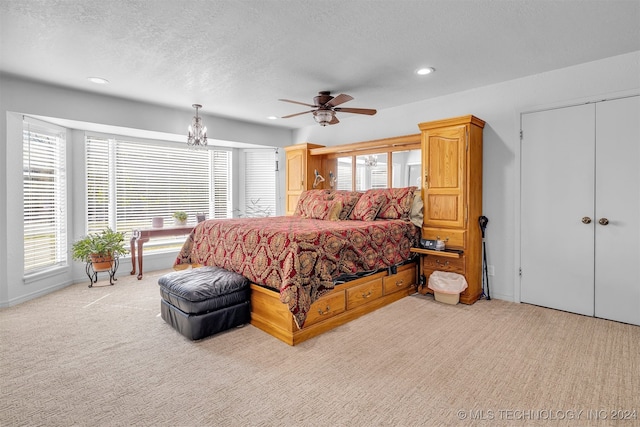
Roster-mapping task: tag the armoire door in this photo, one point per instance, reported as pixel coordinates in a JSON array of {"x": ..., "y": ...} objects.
[
  {"x": 617, "y": 239},
  {"x": 444, "y": 160},
  {"x": 557, "y": 208}
]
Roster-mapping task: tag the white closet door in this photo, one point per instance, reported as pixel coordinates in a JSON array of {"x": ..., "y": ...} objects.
[
  {"x": 617, "y": 272},
  {"x": 557, "y": 178}
]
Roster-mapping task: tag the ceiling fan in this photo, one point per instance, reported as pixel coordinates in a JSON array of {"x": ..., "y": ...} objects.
[{"x": 326, "y": 106}]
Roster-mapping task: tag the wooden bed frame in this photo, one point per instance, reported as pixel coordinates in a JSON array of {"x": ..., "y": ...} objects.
[
  {"x": 344, "y": 303},
  {"x": 349, "y": 300}
]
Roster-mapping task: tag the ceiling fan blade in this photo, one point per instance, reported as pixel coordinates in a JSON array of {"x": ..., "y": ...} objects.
[
  {"x": 340, "y": 99},
  {"x": 334, "y": 120},
  {"x": 297, "y": 114},
  {"x": 297, "y": 102},
  {"x": 368, "y": 111}
]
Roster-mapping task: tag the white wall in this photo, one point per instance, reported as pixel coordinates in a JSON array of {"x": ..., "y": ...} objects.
[
  {"x": 500, "y": 106},
  {"x": 18, "y": 97}
]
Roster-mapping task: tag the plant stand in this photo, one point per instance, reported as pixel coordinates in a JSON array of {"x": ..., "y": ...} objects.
[{"x": 93, "y": 274}]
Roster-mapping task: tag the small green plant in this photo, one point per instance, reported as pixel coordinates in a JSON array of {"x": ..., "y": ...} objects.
[
  {"x": 105, "y": 243},
  {"x": 180, "y": 215}
]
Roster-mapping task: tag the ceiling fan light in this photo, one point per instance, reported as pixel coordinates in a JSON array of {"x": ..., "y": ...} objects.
[{"x": 323, "y": 117}]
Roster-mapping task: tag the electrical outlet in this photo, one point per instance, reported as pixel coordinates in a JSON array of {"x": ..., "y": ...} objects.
[{"x": 491, "y": 271}]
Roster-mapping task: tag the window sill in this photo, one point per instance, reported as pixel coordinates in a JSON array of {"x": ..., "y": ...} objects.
[{"x": 44, "y": 274}]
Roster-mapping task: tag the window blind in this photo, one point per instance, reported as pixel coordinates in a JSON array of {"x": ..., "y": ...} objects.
[
  {"x": 130, "y": 182},
  {"x": 98, "y": 185},
  {"x": 153, "y": 180},
  {"x": 379, "y": 176},
  {"x": 221, "y": 200},
  {"x": 45, "y": 198},
  {"x": 260, "y": 183},
  {"x": 344, "y": 178}
]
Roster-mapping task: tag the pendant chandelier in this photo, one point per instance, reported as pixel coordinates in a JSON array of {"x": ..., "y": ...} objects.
[
  {"x": 197, "y": 136},
  {"x": 371, "y": 161}
]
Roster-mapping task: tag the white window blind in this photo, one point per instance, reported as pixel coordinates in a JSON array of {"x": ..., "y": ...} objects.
[
  {"x": 221, "y": 200},
  {"x": 379, "y": 176},
  {"x": 260, "y": 183},
  {"x": 130, "y": 182},
  {"x": 44, "y": 188},
  {"x": 98, "y": 185},
  {"x": 345, "y": 178}
]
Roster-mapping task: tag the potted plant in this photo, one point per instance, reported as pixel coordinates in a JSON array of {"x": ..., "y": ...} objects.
[
  {"x": 100, "y": 248},
  {"x": 180, "y": 217}
]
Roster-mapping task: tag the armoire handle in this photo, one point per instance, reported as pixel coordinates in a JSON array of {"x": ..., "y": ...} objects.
[{"x": 603, "y": 221}]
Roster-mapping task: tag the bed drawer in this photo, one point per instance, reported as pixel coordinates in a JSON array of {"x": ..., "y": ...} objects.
[
  {"x": 396, "y": 282},
  {"x": 325, "y": 307},
  {"x": 435, "y": 262},
  {"x": 362, "y": 294}
]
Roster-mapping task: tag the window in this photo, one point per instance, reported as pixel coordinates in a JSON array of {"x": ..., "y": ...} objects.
[
  {"x": 130, "y": 182},
  {"x": 45, "y": 196},
  {"x": 260, "y": 183}
]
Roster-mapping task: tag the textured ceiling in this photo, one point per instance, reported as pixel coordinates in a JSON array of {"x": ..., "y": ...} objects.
[{"x": 237, "y": 57}]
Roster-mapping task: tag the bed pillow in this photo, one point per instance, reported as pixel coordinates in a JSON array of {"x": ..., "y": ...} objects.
[
  {"x": 348, "y": 200},
  {"x": 324, "y": 209},
  {"x": 307, "y": 201},
  {"x": 416, "y": 214},
  {"x": 397, "y": 203},
  {"x": 368, "y": 206}
]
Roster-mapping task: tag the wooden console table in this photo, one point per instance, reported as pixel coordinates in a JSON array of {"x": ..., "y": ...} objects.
[{"x": 141, "y": 236}]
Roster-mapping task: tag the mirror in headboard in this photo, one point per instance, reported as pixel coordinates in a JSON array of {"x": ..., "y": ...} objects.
[
  {"x": 344, "y": 173},
  {"x": 382, "y": 163},
  {"x": 407, "y": 168},
  {"x": 371, "y": 171},
  {"x": 376, "y": 171}
]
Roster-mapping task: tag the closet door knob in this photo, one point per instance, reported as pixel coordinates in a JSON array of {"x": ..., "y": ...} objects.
[
  {"x": 586, "y": 220},
  {"x": 603, "y": 221}
]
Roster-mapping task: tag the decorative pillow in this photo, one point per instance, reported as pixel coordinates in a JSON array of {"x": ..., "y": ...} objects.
[
  {"x": 368, "y": 206},
  {"x": 308, "y": 199},
  {"x": 325, "y": 209},
  {"x": 348, "y": 200},
  {"x": 397, "y": 203},
  {"x": 334, "y": 211},
  {"x": 416, "y": 215}
]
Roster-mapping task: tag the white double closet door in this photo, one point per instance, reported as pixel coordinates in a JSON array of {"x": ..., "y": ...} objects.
[{"x": 580, "y": 209}]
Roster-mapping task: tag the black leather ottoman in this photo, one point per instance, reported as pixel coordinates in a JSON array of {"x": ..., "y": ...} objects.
[{"x": 204, "y": 301}]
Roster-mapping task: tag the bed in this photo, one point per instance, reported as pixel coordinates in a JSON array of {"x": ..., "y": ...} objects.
[{"x": 333, "y": 237}]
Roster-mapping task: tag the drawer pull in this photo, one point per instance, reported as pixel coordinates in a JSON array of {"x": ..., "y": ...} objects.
[
  {"x": 367, "y": 295},
  {"x": 442, "y": 263},
  {"x": 326, "y": 311},
  {"x": 399, "y": 283}
]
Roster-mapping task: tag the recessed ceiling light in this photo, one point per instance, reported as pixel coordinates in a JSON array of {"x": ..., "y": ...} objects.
[
  {"x": 98, "y": 80},
  {"x": 425, "y": 71},
  {"x": 272, "y": 118}
]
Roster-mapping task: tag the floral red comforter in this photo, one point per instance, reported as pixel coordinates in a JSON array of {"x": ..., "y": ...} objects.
[{"x": 299, "y": 257}]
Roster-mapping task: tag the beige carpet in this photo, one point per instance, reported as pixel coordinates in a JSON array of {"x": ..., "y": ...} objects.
[{"x": 103, "y": 357}]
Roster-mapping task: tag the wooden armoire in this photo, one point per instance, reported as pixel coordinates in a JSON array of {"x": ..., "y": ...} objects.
[
  {"x": 452, "y": 194},
  {"x": 300, "y": 167}
]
